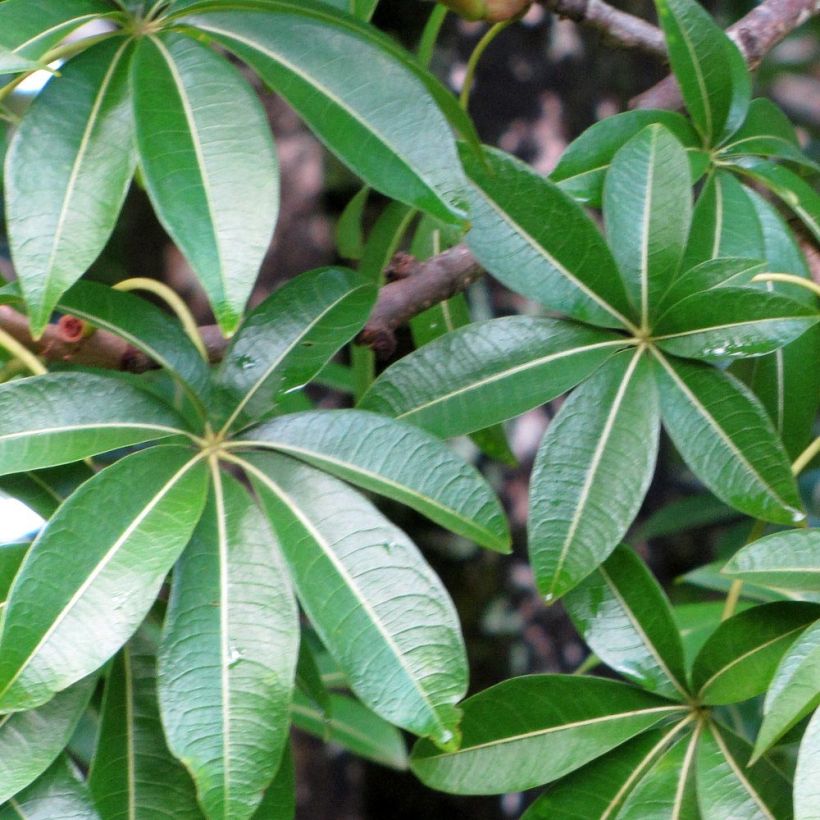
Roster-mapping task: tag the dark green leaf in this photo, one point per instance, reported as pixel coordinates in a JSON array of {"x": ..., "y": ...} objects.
[
  {"x": 133, "y": 775},
  {"x": 807, "y": 776},
  {"x": 61, "y": 417},
  {"x": 697, "y": 622},
  {"x": 349, "y": 228},
  {"x": 739, "y": 658},
  {"x": 290, "y": 337},
  {"x": 31, "y": 740},
  {"x": 228, "y": 655},
  {"x": 60, "y": 218},
  {"x": 44, "y": 490},
  {"x": 401, "y": 648},
  {"x": 724, "y": 435},
  {"x": 626, "y": 619},
  {"x": 11, "y": 556},
  {"x": 209, "y": 163},
  {"x": 583, "y": 166},
  {"x": 309, "y": 678},
  {"x": 784, "y": 560},
  {"x": 393, "y": 459},
  {"x": 647, "y": 210},
  {"x": 89, "y": 579},
  {"x": 488, "y": 372},
  {"x": 591, "y": 472},
  {"x": 528, "y": 731},
  {"x": 279, "y": 802},
  {"x": 537, "y": 241},
  {"x": 682, "y": 515}
]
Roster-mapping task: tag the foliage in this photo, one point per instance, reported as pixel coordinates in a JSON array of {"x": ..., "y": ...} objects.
[{"x": 169, "y": 572}]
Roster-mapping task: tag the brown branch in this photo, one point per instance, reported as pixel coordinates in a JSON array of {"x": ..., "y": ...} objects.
[
  {"x": 755, "y": 35},
  {"x": 627, "y": 30}
]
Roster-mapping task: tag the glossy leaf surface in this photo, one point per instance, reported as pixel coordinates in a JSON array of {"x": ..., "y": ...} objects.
[
  {"x": 807, "y": 776},
  {"x": 592, "y": 470},
  {"x": 721, "y": 272},
  {"x": 209, "y": 164},
  {"x": 784, "y": 560},
  {"x": 89, "y": 580}
]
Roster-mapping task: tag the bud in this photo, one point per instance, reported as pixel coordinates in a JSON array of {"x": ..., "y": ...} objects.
[{"x": 493, "y": 11}]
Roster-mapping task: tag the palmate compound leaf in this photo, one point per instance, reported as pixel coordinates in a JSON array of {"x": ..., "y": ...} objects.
[
  {"x": 592, "y": 471},
  {"x": 531, "y": 730},
  {"x": 133, "y": 774},
  {"x": 381, "y": 116},
  {"x": 209, "y": 164},
  {"x": 725, "y": 436},
  {"x": 31, "y": 740},
  {"x": 79, "y": 135},
  {"x": 226, "y": 671},
  {"x": 488, "y": 372},
  {"x": 376, "y": 604},
  {"x": 784, "y": 560},
  {"x": 393, "y": 459},
  {"x": 62, "y": 417},
  {"x": 89, "y": 579},
  {"x": 625, "y": 618}
]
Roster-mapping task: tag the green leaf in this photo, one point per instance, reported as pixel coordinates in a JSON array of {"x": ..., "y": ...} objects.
[
  {"x": 11, "y": 556},
  {"x": 739, "y": 658},
  {"x": 598, "y": 789},
  {"x": 708, "y": 66},
  {"x": 794, "y": 690},
  {"x": 309, "y": 678},
  {"x": 647, "y": 210},
  {"x": 60, "y": 218},
  {"x": 349, "y": 228},
  {"x": 728, "y": 787},
  {"x": 31, "y": 740},
  {"x": 379, "y": 115},
  {"x": 667, "y": 791},
  {"x": 724, "y": 435},
  {"x": 58, "y": 793},
  {"x": 133, "y": 775},
  {"x": 807, "y": 776},
  {"x": 681, "y": 515},
  {"x": 31, "y": 27},
  {"x": 696, "y": 622},
  {"x": 354, "y": 727},
  {"x": 626, "y": 619},
  {"x": 539, "y": 242},
  {"x": 584, "y": 164},
  {"x": 209, "y": 164},
  {"x": 11, "y": 63},
  {"x": 61, "y": 417},
  {"x": 45, "y": 490},
  {"x": 531, "y": 730},
  {"x": 228, "y": 655},
  {"x": 487, "y": 372},
  {"x": 89, "y": 579},
  {"x": 392, "y": 459},
  {"x": 768, "y": 132},
  {"x": 591, "y": 473},
  {"x": 279, "y": 802},
  {"x": 289, "y": 338},
  {"x": 732, "y": 322},
  {"x": 784, "y": 560},
  {"x": 401, "y": 648}
]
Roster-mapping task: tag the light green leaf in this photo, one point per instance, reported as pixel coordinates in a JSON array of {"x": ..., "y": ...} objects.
[
  {"x": 401, "y": 648},
  {"x": 724, "y": 435},
  {"x": 60, "y": 218},
  {"x": 289, "y": 338},
  {"x": 647, "y": 210},
  {"x": 731, "y": 322},
  {"x": 133, "y": 775},
  {"x": 209, "y": 164},
  {"x": 11, "y": 63},
  {"x": 794, "y": 690},
  {"x": 487, "y": 372},
  {"x": 379, "y": 114},
  {"x": 531, "y": 730},
  {"x": 784, "y": 560},
  {"x": 57, "y": 793},
  {"x": 89, "y": 579},
  {"x": 591, "y": 473},
  {"x": 739, "y": 658},
  {"x": 353, "y": 727},
  {"x": 626, "y": 619},
  {"x": 584, "y": 164},
  {"x": 31, "y": 740},
  {"x": 61, "y": 417},
  {"x": 228, "y": 654},
  {"x": 696, "y": 622},
  {"x": 728, "y": 787},
  {"x": 393, "y": 459},
  {"x": 708, "y": 66},
  {"x": 807, "y": 776},
  {"x": 539, "y": 242}
]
